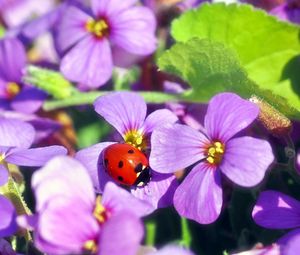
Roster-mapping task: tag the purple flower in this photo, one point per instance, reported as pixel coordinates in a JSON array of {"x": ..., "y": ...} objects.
[
  {"x": 70, "y": 219},
  {"x": 287, "y": 12},
  {"x": 14, "y": 95},
  {"x": 278, "y": 211},
  {"x": 244, "y": 160},
  {"x": 8, "y": 224},
  {"x": 16, "y": 137},
  {"x": 90, "y": 41},
  {"x": 126, "y": 111},
  {"x": 172, "y": 249}
]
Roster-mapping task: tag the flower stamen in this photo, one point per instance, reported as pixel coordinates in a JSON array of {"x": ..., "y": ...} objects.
[
  {"x": 90, "y": 246},
  {"x": 136, "y": 139},
  {"x": 12, "y": 89},
  {"x": 100, "y": 212},
  {"x": 97, "y": 27},
  {"x": 214, "y": 153}
]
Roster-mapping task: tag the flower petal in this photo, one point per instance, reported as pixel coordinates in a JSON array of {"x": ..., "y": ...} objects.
[
  {"x": 246, "y": 160},
  {"x": 8, "y": 225},
  {"x": 110, "y": 7},
  {"x": 121, "y": 234},
  {"x": 63, "y": 176},
  {"x": 13, "y": 59},
  {"x": 276, "y": 211},
  {"x": 3, "y": 175},
  {"x": 133, "y": 30},
  {"x": 199, "y": 197},
  {"x": 157, "y": 119},
  {"x": 91, "y": 158},
  {"x": 117, "y": 199},
  {"x": 81, "y": 65},
  {"x": 172, "y": 249},
  {"x": 36, "y": 156},
  {"x": 227, "y": 114},
  {"x": 175, "y": 147},
  {"x": 29, "y": 100},
  {"x": 124, "y": 110},
  {"x": 71, "y": 28},
  {"x": 15, "y": 133},
  {"x": 290, "y": 243},
  {"x": 65, "y": 225},
  {"x": 159, "y": 191}
]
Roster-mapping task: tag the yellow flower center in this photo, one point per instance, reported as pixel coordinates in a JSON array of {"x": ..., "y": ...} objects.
[
  {"x": 101, "y": 215},
  {"x": 90, "y": 246},
  {"x": 12, "y": 89},
  {"x": 214, "y": 153},
  {"x": 97, "y": 27},
  {"x": 136, "y": 139}
]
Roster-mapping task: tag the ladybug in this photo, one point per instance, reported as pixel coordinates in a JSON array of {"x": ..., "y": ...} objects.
[{"x": 126, "y": 164}]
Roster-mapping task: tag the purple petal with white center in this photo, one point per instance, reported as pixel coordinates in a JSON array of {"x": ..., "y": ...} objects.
[
  {"x": 110, "y": 8},
  {"x": 36, "y": 156},
  {"x": 159, "y": 191},
  {"x": 133, "y": 30},
  {"x": 71, "y": 28},
  {"x": 15, "y": 133},
  {"x": 246, "y": 160},
  {"x": 228, "y": 114},
  {"x": 3, "y": 175},
  {"x": 289, "y": 243},
  {"x": 125, "y": 111},
  {"x": 172, "y": 249},
  {"x": 63, "y": 176},
  {"x": 158, "y": 118},
  {"x": 66, "y": 226},
  {"x": 121, "y": 234},
  {"x": 29, "y": 100},
  {"x": 81, "y": 65},
  {"x": 174, "y": 147},
  {"x": 116, "y": 199},
  {"x": 13, "y": 59},
  {"x": 91, "y": 158},
  {"x": 199, "y": 196},
  {"x": 8, "y": 224},
  {"x": 276, "y": 211}
]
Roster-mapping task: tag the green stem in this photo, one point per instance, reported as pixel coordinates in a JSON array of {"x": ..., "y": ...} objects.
[
  {"x": 186, "y": 237},
  {"x": 90, "y": 97},
  {"x": 151, "y": 232}
]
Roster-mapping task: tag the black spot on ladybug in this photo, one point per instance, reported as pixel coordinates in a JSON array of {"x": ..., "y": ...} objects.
[
  {"x": 106, "y": 162},
  {"x": 120, "y": 178},
  {"x": 138, "y": 168},
  {"x": 131, "y": 151},
  {"x": 120, "y": 165}
]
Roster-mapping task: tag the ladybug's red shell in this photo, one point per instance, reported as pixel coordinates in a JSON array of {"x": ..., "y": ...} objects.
[{"x": 124, "y": 163}]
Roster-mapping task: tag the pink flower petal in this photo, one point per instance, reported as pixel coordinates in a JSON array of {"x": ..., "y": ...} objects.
[
  {"x": 246, "y": 160},
  {"x": 133, "y": 30},
  {"x": 175, "y": 147},
  {"x": 199, "y": 197},
  {"x": 124, "y": 110},
  {"x": 110, "y": 8},
  {"x": 228, "y": 114},
  {"x": 88, "y": 62}
]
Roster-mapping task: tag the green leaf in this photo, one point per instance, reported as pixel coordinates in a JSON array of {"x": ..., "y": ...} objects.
[
  {"x": 266, "y": 48},
  {"x": 50, "y": 81},
  {"x": 2, "y": 31},
  {"x": 210, "y": 67}
]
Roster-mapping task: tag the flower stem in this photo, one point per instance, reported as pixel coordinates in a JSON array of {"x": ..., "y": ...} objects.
[
  {"x": 151, "y": 232},
  {"x": 89, "y": 98},
  {"x": 186, "y": 237}
]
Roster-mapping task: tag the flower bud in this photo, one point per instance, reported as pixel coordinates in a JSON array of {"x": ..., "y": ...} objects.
[{"x": 273, "y": 120}]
